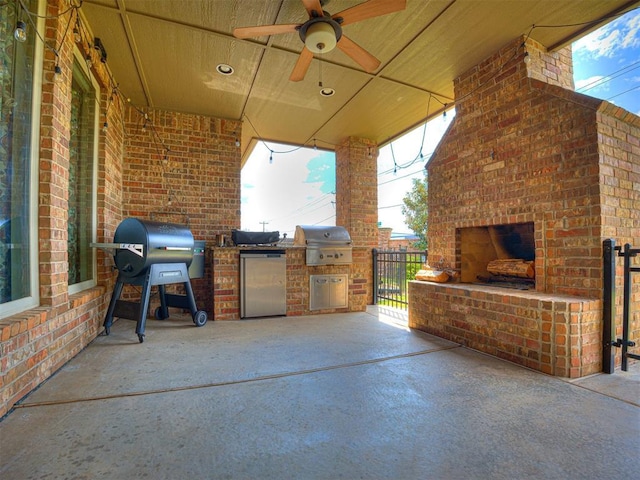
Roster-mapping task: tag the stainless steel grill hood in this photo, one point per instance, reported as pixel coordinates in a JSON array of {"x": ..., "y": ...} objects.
[{"x": 326, "y": 245}]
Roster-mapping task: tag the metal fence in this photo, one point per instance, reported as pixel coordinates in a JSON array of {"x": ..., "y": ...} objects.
[
  {"x": 392, "y": 270},
  {"x": 609, "y": 338}
]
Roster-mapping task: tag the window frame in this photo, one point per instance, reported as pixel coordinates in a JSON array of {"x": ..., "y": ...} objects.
[
  {"x": 92, "y": 282},
  {"x": 33, "y": 299}
]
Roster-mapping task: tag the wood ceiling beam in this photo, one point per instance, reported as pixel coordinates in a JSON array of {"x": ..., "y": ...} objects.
[{"x": 133, "y": 48}]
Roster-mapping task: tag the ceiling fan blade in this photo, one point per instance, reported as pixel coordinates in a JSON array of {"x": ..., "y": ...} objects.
[
  {"x": 302, "y": 65},
  {"x": 313, "y": 6},
  {"x": 370, "y": 9},
  {"x": 359, "y": 54},
  {"x": 262, "y": 30}
]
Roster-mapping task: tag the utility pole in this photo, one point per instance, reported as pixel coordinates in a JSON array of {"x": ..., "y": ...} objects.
[{"x": 263, "y": 225}]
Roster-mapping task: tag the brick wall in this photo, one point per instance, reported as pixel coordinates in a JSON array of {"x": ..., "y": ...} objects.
[
  {"x": 545, "y": 333},
  {"x": 619, "y": 147},
  {"x": 184, "y": 169},
  {"x": 357, "y": 190},
  {"x": 226, "y": 277},
  {"x": 513, "y": 141},
  {"x": 36, "y": 343},
  {"x": 384, "y": 238},
  {"x": 524, "y": 149}
]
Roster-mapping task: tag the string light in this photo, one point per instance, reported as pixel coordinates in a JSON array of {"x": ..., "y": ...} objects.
[
  {"x": 237, "y": 142},
  {"x": 271, "y": 157},
  {"x": 20, "y": 33},
  {"x": 76, "y": 31},
  {"x": 81, "y": 36}
]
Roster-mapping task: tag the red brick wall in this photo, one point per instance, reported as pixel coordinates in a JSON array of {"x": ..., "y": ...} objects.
[
  {"x": 518, "y": 151},
  {"x": 619, "y": 146},
  {"x": 185, "y": 169},
  {"x": 357, "y": 190},
  {"x": 226, "y": 278},
  {"x": 384, "y": 238},
  {"x": 524, "y": 149},
  {"x": 36, "y": 343},
  {"x": 546, "y": 334}
]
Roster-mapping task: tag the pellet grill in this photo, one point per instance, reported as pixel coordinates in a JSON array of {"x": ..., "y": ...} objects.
[{"x": 147, "y": 254}]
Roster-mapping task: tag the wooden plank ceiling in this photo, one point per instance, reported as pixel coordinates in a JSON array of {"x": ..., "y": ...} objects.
[{"x": 164, "y": 53}]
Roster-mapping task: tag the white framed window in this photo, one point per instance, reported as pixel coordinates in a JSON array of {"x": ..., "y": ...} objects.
[
  {"x": 21, "y": 92},
  {"x": 83, "y": 178}
]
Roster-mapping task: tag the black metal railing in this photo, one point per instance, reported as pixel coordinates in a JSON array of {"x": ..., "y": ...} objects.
[
  {"x": 392, "y": 271},
  {"x": 609, "y": 340}
]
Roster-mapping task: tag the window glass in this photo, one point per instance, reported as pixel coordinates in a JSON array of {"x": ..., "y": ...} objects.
[
  {"x": 82, "y": 156},
  {"x": 20, "y": 83}
]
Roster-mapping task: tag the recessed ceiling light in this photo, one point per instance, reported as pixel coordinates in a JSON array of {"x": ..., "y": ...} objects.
[
  {"x": 224, "y": 69},
  {"x": 327, "y": 92}
]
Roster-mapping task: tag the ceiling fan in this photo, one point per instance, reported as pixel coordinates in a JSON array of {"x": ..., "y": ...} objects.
[{"x": 323, "y": 32}]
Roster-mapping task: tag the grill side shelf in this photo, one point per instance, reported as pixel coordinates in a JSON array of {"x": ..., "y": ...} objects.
[{"x": 136, "y": 248}]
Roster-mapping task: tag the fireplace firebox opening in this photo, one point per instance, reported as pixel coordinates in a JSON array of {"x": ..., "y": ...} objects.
[{"x": 500, "y": 255}]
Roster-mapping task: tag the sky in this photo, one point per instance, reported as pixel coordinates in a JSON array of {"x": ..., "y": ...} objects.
[{"x": 297, "y": 186}]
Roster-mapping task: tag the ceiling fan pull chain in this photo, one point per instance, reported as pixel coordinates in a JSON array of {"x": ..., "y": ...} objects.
[{"x": 320, "y": 69}]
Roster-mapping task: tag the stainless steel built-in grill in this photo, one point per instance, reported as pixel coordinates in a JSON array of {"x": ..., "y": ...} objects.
[
  {"x": 149, "y": 254},
  {"x": 326, "y": 245}
]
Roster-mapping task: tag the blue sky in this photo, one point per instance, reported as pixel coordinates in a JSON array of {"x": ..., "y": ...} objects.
[
  {"x": 607, "y": 62},
  {"x": 297, "y": 187}
]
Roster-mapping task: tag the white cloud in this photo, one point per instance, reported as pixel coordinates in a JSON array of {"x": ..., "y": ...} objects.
[
  {"x": 594, "y": 83},
  {"x": 611, "y": 38},
  {"x": 601, "y": 43},
  {"x": 631, "y": 37}
]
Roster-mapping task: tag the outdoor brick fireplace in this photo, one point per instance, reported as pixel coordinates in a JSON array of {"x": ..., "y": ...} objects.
[
  {"x": 499, "y": 255},
  {"x": 528, "y": 170}
]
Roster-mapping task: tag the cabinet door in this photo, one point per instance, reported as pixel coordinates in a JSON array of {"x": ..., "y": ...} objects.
[
  {"x": 320, "y": 292},
  {"x": 339, "y": 291},
  {"x": 328, "y": 291}
]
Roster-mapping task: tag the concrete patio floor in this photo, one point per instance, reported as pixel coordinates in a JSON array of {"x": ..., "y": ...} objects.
[{"x": 346, "y": 396}]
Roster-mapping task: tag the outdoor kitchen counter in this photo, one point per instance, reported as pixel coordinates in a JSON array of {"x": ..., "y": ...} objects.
[{"x": 225, "y": 280}]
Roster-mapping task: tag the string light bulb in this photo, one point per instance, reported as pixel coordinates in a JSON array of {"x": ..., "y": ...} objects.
[
  {"x": 237, "y": 142},
  {"x": 88, "y": 60},
  {"x": 315, "y": 146},
  {"x": 20, "y": 33},
  {"x": 527, "y": 58},
  {"x": 105, "y": 127},
  {"x": 270, "y": 156},
  {"x": 57, "y": 70}
]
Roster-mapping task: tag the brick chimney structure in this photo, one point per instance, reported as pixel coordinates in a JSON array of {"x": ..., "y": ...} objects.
[{"x": 527, "y": 155}]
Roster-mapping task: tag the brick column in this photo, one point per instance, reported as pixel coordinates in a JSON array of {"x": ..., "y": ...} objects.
[
  {"x": 54, "y": 165},
  {"x": 357, "y": 190},
  {"x": 384, "y": 240}
]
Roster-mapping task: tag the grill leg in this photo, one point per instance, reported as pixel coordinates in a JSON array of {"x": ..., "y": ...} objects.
[
  {"x": 144, "y": 305},
  {"x": 164, "y": 310},
  {"x": 117, "y": 291},
  {"x": 190, "y": 298}
]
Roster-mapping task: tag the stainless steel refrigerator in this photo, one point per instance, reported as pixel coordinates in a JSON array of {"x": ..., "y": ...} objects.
[{"x": 263, "y": 283}]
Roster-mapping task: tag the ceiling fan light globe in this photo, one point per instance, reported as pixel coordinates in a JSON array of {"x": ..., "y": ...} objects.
[{"x": 320, "y": 37}]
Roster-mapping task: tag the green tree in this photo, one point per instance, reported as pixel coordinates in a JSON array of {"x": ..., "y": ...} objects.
[{"x": 415, "y": 210}]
